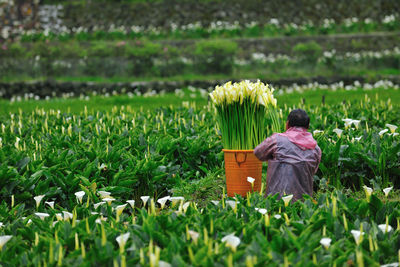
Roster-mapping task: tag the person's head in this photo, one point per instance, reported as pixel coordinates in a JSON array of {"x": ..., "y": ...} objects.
[{"x": 298, "y": 118}]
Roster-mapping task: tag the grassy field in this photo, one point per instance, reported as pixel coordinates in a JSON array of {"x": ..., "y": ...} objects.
[{"x": 76, "y": 105}]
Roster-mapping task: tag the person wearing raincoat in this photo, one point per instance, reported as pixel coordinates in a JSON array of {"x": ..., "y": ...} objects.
[{"x": 293, "y": 158}]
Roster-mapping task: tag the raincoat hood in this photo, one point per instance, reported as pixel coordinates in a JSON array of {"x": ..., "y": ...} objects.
[{"x": 300, "y": 137}]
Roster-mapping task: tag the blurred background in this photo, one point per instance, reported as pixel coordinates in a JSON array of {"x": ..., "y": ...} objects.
[{"x": 54, "y": 46}]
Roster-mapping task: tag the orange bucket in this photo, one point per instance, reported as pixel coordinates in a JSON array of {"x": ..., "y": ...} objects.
[{"x": 240, "y": 164}]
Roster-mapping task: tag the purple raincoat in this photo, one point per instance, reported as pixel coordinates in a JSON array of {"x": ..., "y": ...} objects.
[{"x": 293, "y": 158}]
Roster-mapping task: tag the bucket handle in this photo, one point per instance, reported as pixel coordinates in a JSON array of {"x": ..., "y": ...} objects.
[{"x": 240, "y": 162}]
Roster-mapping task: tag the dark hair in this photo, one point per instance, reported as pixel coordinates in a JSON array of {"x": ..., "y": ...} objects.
[{"x": 299, "y": 118}]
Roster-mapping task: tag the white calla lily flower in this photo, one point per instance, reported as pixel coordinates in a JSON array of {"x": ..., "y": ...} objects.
[
  {"x": 42, "y": 215},
  {"x": 59, "y": 216},
  {"x": 119, "y": 209},
  {"x": 145, "y": 199},
  {"x": 79, "y": 195},
  {"x": 122, "y": 239},
  {"x": 277, "y": 216},
  {"x": 164, "y": 264},
  {"x": 391, "y": 127},
  {"x": 194, "y": 235},
  {"x": 131, "y": 203},
  {"x": 287, "y": 199},
  {"x": 368, "y": 191},
  {"x": 387, "y": 190},
  {"x": 250, "y": 180},
  {"x": 38, "y": 199},
  {"x": 338, "y": 132},
  {"x": 108, "y": 200},
  {"x": 262, "y": 211},
  {"x": 67, "y": 215},
  {"x": 231, "y": 241},
  {"x": 231, "y": 203},
  {"x": 175, "y": 200},
  {"x": 381, "y": 133},
  {"x": 96, "y": 205},
  {"x": 386, "y": 228},
  {"x": 215, "y": 202},
  {"x": 163, "y": 201},
  {"x": 4, "y": 239},
  {"x": 326, "y": 242},
  {"x": 104, "y": 194},
  {"x": 50, "y": 203},
  {"x": 357, "y": 236}
]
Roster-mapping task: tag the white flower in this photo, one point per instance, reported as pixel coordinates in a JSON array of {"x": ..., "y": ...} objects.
[
  {"x": 96, "y": 205},
  {"x": 4, "y": 239},
  {"x": 358, "y": 138},
  {"x": 391, "y": 127},
  {"x": 59, "y": 216},
  {"x": 315, "y": 132},
  {"x": 194, "y": 235},
  {"x": 164, "y": 264},
  {"x": 163, "y": 200},
  {"x": 287, "y": 199},
  {"x": 122, "y": 240},
  {"x": 144, "y": 199},
  {"x": 108, "y": 200},
  {"x": 104, "y": 194},
  {"x": 326, "y": 242},
  {"x": 381, "y": 133},
  {"x": 99, "y": 220},
  {"x": 387, "y": 190},
  {"x": 368, "y": 191},
  {"x": 215, "y": 202},
  {"x": 231, "y": 203},
  {"x": 347, "y": 122},
  {"x": 50, "y": 203},
  {"x": 384, "y": 226},
  {"x": 42, "y": 215},
  {"x": 131, "y": 202},
  {"x": 395, "y": 264},
  {"x": 38, "y": 199},
  {"x": 79, "y": 195},
  {"x": 393, "y": 134},
  {"x": 67, "y": 215},
  {"x": 231, "y": 241},
  {"x": 262, "y": 211},
  {"x": 185, "y": 206},
  {"x": 338, "y": 132},
  {"x": 250, "y": 180},
  {"x": 356, "y": 123},
  {"x": 277, "y": 216},
  {"x": 120, "y": 209},
  {"x": 357, "y": 235},
  {"x": 175, "y": 200}
]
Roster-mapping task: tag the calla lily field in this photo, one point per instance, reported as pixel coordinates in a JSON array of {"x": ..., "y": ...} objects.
[{"x": 102, "y": 188}]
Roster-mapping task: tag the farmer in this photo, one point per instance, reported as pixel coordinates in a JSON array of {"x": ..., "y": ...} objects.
[{"x": 293, "y": 158}]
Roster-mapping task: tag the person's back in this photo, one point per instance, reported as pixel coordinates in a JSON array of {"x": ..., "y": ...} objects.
[{"x": 293, "y": 158}]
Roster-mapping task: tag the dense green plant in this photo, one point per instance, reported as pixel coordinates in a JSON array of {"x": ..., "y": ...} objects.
[
  {"x": 142, "y": 55},
  {"x": 215, "y": 56},
  {"x": 309, "y": 53},
  {"x": 334, "y": 229}
]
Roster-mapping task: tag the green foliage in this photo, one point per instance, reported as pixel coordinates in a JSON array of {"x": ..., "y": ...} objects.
[
  {"x": 183, "y": 233},
  {"x": 142, "y": 55},
  {"x": 215, "y": 56},
  {"x": 309, "y": 53}
]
